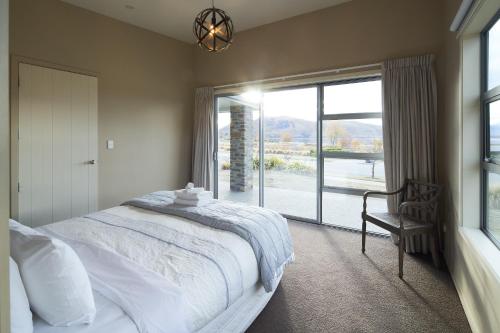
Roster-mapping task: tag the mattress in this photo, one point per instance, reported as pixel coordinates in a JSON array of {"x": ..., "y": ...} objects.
[
  {"x": 204, "y": 291},
  {"x": 111, "y": 318}
]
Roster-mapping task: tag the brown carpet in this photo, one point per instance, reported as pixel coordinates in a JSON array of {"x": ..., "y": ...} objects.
[{"x": 332, "y": 287}]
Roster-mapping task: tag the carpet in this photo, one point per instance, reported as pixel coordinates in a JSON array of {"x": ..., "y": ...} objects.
[{"x": 333, "y": 287}]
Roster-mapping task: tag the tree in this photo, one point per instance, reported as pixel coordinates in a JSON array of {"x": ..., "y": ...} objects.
[
  {"x": 335, "y": 132},
  {"x": 286, "y": 137},
  {"x": 356, "y": 145},
  {"x": 378, "y": 145}
]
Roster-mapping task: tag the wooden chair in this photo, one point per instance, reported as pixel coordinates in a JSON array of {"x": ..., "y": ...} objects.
[{"x": 417, "y": 214}]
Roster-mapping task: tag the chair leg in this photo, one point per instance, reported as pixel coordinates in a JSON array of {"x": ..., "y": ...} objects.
[
  {"x": 434, "y": 250},
  {"x": 401, "y": 254},
  {"x": 363, "y": 237}
]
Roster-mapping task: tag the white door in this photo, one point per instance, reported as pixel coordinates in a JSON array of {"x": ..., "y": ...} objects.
[{"x": 57, "y": 145}]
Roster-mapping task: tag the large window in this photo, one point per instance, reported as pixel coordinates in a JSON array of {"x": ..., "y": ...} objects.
[
  {"x": 490, "y": 106},
  {"x": 352, "y": 150},
  {"x": 308, "y": 152}
]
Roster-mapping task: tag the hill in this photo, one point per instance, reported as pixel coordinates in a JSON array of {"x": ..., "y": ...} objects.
[{"x": 300, "y": 130}]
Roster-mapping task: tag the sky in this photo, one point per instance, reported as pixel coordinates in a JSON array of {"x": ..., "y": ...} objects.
[
  {"x": 494, "y": 56},
  {"x": 301, "y": 102}
]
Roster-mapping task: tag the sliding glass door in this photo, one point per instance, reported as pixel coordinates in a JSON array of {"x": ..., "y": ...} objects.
[
  {"x": 290, "y": 146},
  {"x": 267, "y": 146}
]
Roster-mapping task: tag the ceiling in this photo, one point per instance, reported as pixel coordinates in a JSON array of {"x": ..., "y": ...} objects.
[{"x": 174, "y": 18}]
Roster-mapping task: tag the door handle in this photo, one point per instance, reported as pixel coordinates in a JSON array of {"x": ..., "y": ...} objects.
[{"x": 91, "y": 162}]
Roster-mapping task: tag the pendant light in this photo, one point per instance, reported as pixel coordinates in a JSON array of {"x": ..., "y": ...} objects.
[{"x": 213, "y": 29}]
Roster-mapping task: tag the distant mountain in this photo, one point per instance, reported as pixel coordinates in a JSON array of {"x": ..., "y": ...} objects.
[{"x": 300, "y": 130}]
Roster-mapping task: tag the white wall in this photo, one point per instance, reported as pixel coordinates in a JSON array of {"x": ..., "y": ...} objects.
[
  {"x": 4, "y": 166},
  {"x": 473, "y": 260}
]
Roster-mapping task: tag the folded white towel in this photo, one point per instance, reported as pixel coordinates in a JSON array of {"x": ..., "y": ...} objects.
[
  {"x": 191, "y": 189},
  {"x": 193, "y": 203},
  {"x": 185, "y": 195},
  {"x": 195, "y": 190}
]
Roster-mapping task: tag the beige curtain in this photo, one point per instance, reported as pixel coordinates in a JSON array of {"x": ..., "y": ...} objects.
[
  {"x": 409, "y": 127},
  {"x": 203, "y": 140}
]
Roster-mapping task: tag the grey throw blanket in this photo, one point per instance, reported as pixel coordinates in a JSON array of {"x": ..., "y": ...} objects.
[{"x": 264, "y": 229}]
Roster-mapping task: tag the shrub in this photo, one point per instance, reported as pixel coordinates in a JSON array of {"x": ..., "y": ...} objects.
[
  {"x": 332, "y": 149},
  {"x": 270, "y": 163},
  {"x": 273, "y": 163},
  {"x": 299, "y": 167},
  {"x": 226, "y": 165}
]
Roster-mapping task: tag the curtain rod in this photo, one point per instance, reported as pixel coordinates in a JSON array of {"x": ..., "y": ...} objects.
[{"x": 296, "y": 76}]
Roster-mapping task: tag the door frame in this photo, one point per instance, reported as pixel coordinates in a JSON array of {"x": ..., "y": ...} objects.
[{"x": 15, "y": 61}]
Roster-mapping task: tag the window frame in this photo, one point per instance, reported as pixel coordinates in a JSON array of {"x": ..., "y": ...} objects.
[
  {"x": 346, "y": 116},
  {"x": 488, "y": 96}
]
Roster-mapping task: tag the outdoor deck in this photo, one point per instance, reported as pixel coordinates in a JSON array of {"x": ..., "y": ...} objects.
[{"x": 338, "y": 209}]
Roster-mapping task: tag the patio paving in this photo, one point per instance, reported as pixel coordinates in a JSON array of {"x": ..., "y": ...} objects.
[{"x": 338, "y": 209}]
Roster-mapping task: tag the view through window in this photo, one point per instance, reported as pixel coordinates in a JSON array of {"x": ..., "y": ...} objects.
[
  {"x": 267, "y": 150},
  {"x": 352, "y": 151},
  {"x": 490, "y": 99}
]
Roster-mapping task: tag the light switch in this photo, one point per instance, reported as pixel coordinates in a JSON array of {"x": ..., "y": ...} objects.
[{"x": 110, "y": 144}]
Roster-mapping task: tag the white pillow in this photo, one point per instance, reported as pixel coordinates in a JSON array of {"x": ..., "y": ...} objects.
[
  {"x": 55, "y": 279},
  {"x": 21, "y": 319}
]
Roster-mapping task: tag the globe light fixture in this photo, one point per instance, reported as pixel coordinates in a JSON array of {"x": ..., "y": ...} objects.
[{"x": 213, "y": 29}]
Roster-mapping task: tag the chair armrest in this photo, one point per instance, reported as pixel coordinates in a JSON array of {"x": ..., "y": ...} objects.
[{"x": 368, "y": 193}]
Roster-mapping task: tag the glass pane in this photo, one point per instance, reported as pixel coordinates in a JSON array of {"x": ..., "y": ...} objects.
[
  {"x": 495, "y": 130},
  {"x": 345, "y": 210},
  {"x": 356, "y": 174},
  {"x": 290, "y": 151},
  {"x": 353, "y": 97},
  {"x": 356, "y": 136},
  {"x": 238, "y": 149},
  {"x": 493, "y": 215},
  {"x": 494, "y": 56}
]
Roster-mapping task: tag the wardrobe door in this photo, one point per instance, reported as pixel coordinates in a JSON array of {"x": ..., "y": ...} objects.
[{"x": 57, "y": 145}]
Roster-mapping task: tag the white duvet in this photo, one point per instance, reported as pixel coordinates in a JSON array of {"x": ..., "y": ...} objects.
[{"x": 203, "y": 284}]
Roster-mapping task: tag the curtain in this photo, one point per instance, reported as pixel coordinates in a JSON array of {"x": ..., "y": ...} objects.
[
  {"x": 409, "y": 128},
  {"x": 203, "y": 140}
]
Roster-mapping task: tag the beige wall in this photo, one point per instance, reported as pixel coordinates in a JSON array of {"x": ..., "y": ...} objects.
[
  {"x": 450, "y": 149},
  {"x": 4, "y": 166},
  {"x": 145, "y": 91},
  {"x": 354, "y": 33}
]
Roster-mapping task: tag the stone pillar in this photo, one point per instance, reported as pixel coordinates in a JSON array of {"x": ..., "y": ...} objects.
[{"x": 241, "y": 153}]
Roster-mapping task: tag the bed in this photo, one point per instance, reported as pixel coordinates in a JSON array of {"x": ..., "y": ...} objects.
[{"x": 218, "y": 270}]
